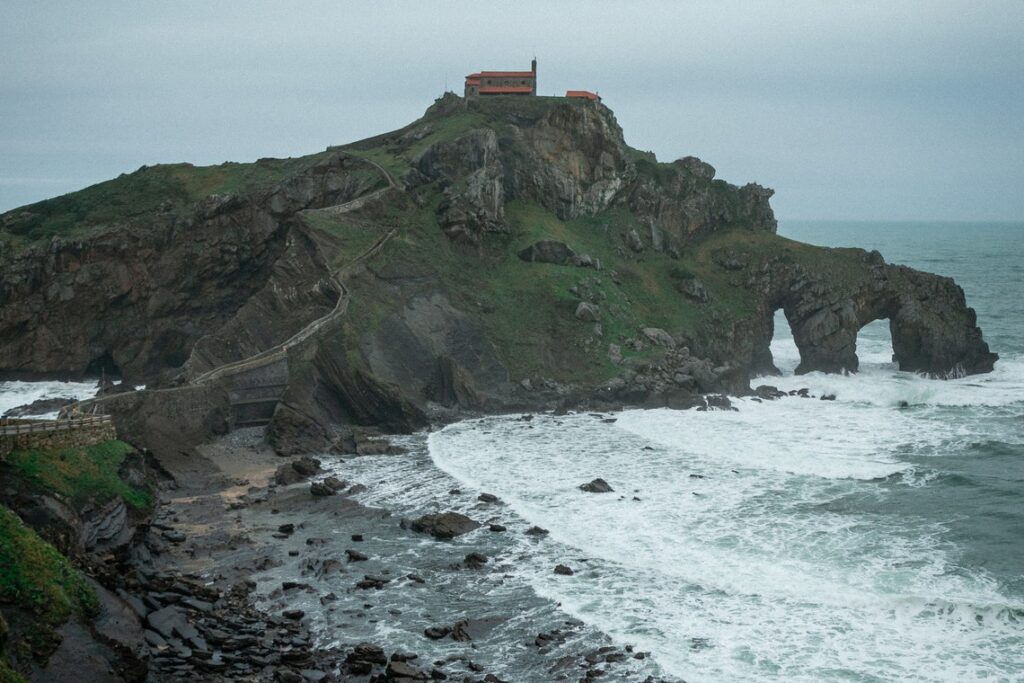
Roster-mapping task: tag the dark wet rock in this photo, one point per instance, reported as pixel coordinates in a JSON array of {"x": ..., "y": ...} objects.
[
  {"x": 334, "y": 483},
  {"x": 536, "y": 531},
  {"x": 296, "y": 471},
  {"x": 358, "y": 538},
  {"x": 373, "y": 582},
  {"x": 828, "y": 397},
  {"x": 437, "y": 632},
  {"x": 356, "y": 488},
  {"x": 402, "y": 672},
  {"x": 461, "y": 632},
  {"x": 563, "y": 570},
  {"x": 320, "y": 489},
  {"x": 355, "y": 555},
  {"x": 474, "y": 561},
  {"x": 719, "y": 402},
  {"x": 294, "y": 614},
  {"x": 319, "y": 567},
  {"x": 488, "y": 498},
  {"x": 404, "y": 656},
  {"x": 444, "y": 525},
  {"x": 768, "y": 392},
  {"x": 363, "y": 657},
  {"x": 286, "y": 529},
  {"x": 41, "y": 406},
  {"x": 415, "y": 578},
  {"x": 596, "y": 486},
  {"x": 497, "y": 527}
]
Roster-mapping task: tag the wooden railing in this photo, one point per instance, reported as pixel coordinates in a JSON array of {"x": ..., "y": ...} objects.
[{"x": 14, "y": 426}]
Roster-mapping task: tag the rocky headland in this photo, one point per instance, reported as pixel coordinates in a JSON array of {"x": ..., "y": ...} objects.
[{"x": 495, "y": 256}]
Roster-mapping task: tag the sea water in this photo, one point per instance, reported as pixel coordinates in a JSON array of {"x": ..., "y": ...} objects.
[
  {"x": 876, "y": 537},
  {"x": 17, "y": 393}
]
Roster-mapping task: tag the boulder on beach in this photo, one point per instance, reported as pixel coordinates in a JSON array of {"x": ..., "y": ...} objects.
[
  {"x": 318, "y": 489},
  {"x": 444, "y": 525},
  {"x": 297, "y": 470}
]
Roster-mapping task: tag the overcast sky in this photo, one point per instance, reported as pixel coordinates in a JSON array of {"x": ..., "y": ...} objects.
[{"x": 850, "y": 110}]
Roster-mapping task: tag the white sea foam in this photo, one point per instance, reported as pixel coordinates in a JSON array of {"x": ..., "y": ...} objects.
[
  {"x": 14, "y": 394},
  {"x": 879, "y": 381},
  {"x": 758, "y": 569},
  {"x": 781, "y": 556}
]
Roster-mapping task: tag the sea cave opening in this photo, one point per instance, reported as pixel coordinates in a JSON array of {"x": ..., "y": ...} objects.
[
  {"x": 103, "y": 366},
  {"x": 874, "y": 346},
  {"x": 785, "y": 354}
]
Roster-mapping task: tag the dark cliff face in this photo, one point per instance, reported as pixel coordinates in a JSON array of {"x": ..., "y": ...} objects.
[
  {"x": 570, "y": 158},
  {"x": 495, "y": 253},
  {"x": 135, "y": 296}
]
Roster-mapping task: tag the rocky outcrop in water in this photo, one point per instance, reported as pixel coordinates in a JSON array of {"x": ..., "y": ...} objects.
[{"x": 933, "y": 330}]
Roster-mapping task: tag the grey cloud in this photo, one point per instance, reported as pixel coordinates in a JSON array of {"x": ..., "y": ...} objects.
[{"x": 850, "y": 110}]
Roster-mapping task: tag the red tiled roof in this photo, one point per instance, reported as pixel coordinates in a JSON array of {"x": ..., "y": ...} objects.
[
  {"x": 505, "y": 74},
  {"x": 585, "y": 94},
  {"x": 504, "y": 89}
]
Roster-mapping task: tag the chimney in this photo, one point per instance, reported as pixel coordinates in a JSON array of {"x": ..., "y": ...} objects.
[{"x": 533, "y": 66}]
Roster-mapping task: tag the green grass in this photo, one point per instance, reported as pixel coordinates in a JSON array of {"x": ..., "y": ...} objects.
[
  {"x": 9, "y": 675},
  {"x": 397, "y": 156},
  {"x": 533, "y": 326},
  {"x": 139, "y": 194},
  {"x": 36, "y": 578},
  {"x": 532, "y": 302},
  {"x": 80, "y": 474}
]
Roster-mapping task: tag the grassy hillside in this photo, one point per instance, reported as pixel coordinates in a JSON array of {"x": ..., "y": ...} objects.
[
  {"x": 79, "y": 475},
  {"x": 40, "y": 590},
  {"x": 524, "y": 306},
  {"x": 147, "y": 191}
]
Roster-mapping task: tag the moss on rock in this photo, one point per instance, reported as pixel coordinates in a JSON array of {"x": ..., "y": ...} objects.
[{"x": 40, "y": 590}]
